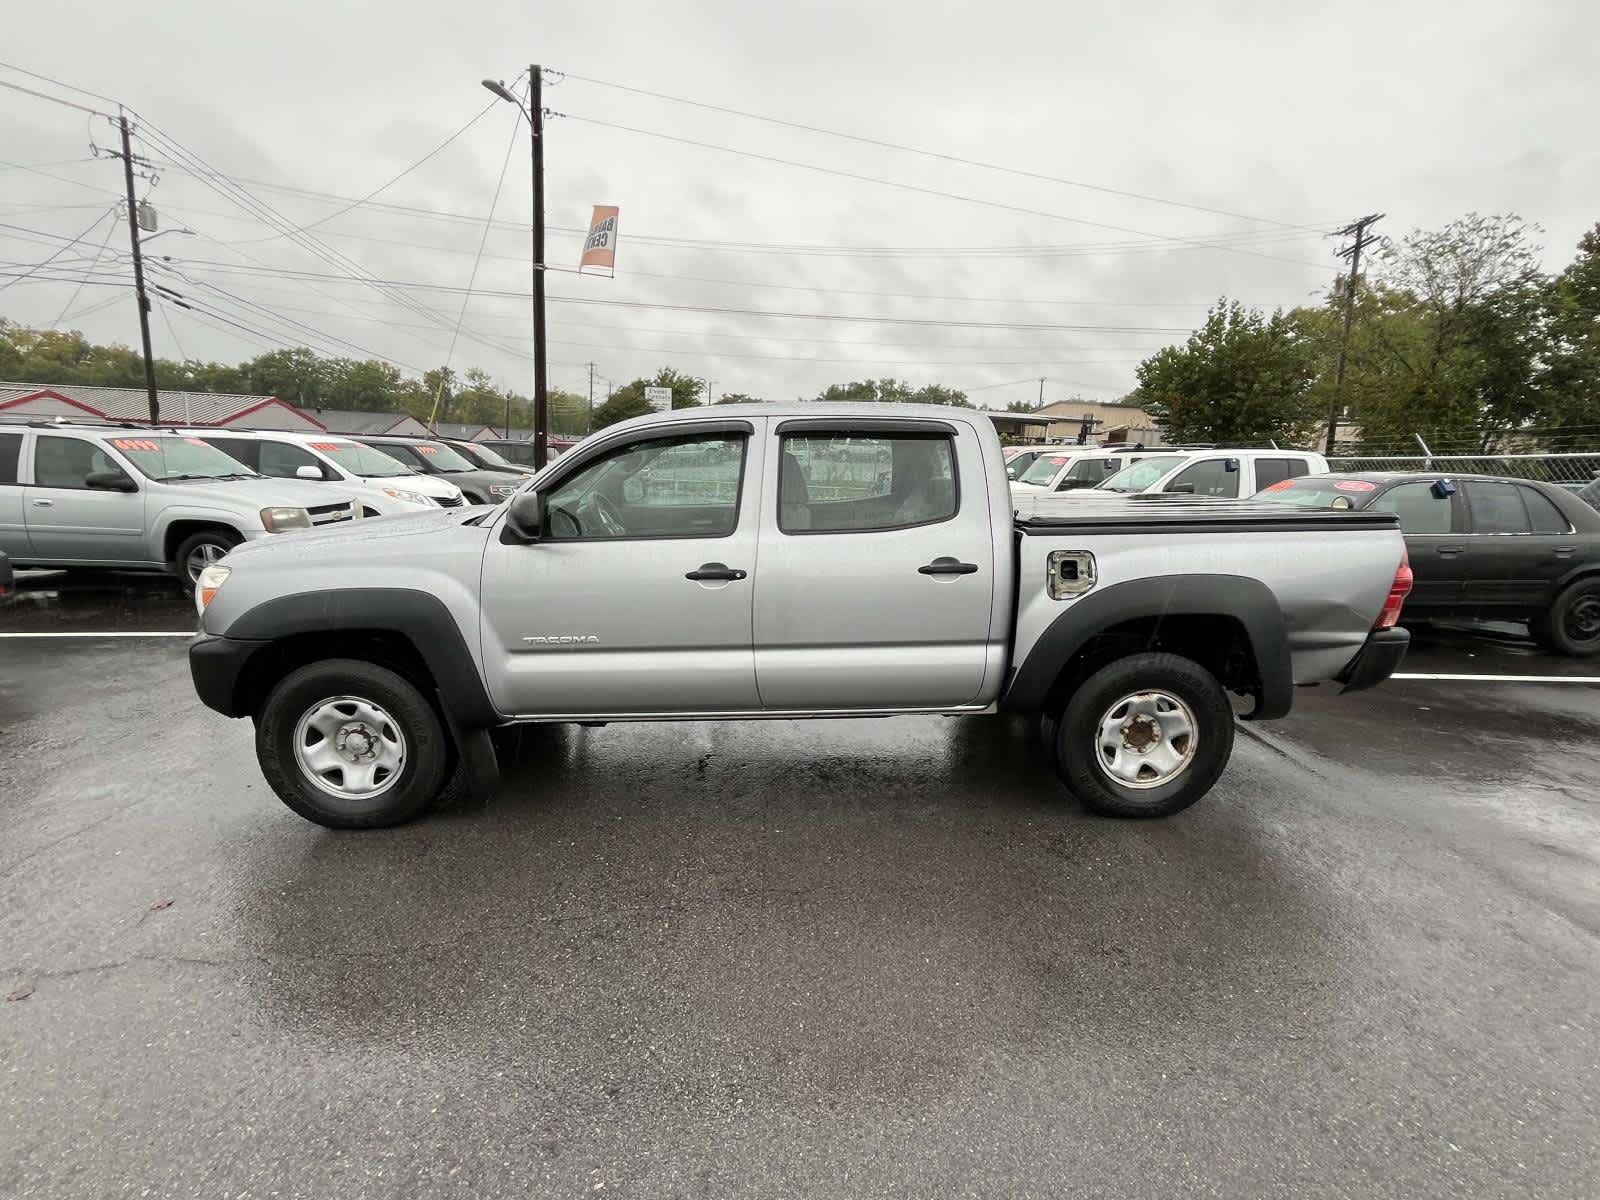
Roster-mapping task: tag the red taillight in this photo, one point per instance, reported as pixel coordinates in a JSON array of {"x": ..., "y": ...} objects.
[{"x": 1398, "y": 591}]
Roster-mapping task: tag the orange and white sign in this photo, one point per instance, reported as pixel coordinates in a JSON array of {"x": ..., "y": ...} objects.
[{"x": 600, "y": 247}]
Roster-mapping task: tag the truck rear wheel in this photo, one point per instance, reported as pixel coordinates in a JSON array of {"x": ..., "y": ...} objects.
[
  {"x": 351, "y": 745},
  {"x": 1145, "y": 736}
]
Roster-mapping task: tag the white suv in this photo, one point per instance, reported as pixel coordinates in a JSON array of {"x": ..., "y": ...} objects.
[
  {"x": 1226, "y": 474},
  {"x": 382, "y": 483}
]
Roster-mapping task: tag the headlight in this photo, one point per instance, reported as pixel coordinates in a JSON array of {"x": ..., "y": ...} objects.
[
  {"x": 408, "y": 497},
  {"x": 205, "y": 587},
  {"x": 503, "y": 489},
  {"x": 276, "y": 520}
]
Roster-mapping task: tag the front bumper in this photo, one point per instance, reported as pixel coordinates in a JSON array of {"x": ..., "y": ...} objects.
[
  {"x": 1375, "y": 661},
  {"x": 215, "y": 664}
]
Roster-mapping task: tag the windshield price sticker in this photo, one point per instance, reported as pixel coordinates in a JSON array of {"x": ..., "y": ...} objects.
[
  {"x": 1282, "y": 485},
  {"x": 333, "y": 447},
  {"x": 136, "y": 444},
  {"x": 427, "y": 449},
  {"x": 1355, "y": 485}
]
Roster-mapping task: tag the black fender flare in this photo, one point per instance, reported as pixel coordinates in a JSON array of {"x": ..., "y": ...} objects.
[
  {"x": 1249, "y": 601},
  {"x": 419, "y": 617}
]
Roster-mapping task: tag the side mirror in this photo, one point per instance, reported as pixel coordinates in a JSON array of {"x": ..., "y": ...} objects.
[
  {"x": 1230, "y": 464},
  {"x": 1443, "y": 489},
  {"x": 110, "y": 481},
  {"x": 525, "y": 519},
  {"x": 1186, "y": 488},
  {"x": 308, "y": 472},
  {"x": 1011, "y": 472}
]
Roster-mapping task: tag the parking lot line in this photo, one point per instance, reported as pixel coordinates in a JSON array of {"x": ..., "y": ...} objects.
[
  {"x": 1499, "y": 678},
  {"x": 189, "y": 633}
]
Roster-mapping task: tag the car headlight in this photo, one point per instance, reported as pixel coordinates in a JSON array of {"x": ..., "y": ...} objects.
[
  {"x": 276, "y": 520},
  {"x": 408, "y": 497},
  {"x": 503, "y": 489},
  {"x": 205, "y": 587}
]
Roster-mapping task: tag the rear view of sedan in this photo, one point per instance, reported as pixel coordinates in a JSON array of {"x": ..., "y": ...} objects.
[{"x": 1483, "y": 547}]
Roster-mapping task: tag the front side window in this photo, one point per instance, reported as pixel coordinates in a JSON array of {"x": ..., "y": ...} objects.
[
  {"x": 1497, "y": 508},
  {"x": 1043, "y": 469},
  {"x": 658, "y": 487},
  {"x": 1087, "y": 472},
  {"x": 281, "y": 460},
  {"x": 1209, "y": 477},
  {"x": 850, "y": 483},
  {"x": 67, "y": 462},
  {"x": 1419, "y": 508}
]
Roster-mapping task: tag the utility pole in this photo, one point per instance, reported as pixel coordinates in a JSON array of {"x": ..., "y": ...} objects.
[
  {"x": 541, "y": 395},
  {"x": 708, "y": 381},
  {"x": 589, "y": 426},
  {"x": 138, "y": 271},
  {"x": 1358, "y": 231},
  {"x": 1041, "y": 394}
]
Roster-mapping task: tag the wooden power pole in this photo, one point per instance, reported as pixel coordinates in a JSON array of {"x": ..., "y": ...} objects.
[
  {"x": 138, "y": 271},
  {"x": 1357, "y": 232}
]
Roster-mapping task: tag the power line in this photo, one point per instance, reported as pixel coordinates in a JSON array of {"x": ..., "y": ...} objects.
[
  {"x": 87, "y": 230},
  {"x": 926, "y": 153},
  {"x": 927, "y": 191},
  {"x": 73, "y": 299}
]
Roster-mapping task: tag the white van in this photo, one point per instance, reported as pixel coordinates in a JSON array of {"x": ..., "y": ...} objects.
[
  {"x": 1085, "y": 467},
  {"x": 382, "y": 483}
]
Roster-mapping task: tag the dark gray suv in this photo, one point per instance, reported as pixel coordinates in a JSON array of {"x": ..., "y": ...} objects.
[{"x": 435, "y": 457}]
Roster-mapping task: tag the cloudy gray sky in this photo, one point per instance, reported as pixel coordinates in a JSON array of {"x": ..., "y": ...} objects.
[{"x": 1277, "y": 117}]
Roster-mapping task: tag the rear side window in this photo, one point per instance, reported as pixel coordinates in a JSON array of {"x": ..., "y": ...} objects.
[
  {"x": 1210, "y": 477},
  {"x": 10, "y": 453},
  {"x": 1543, "y": 514},
  {"x": 1272, "y": 470},
  {"x": 1497, "y": 508},
  {"x": 1420, "y": 511},
  {"x": 844, "y": 483}
]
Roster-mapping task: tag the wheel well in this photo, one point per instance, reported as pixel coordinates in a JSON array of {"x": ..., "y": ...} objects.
[
  {"x": 179, "y": 530},
  {"x": 384, "y": 647},
  {"x": 1220, "y": 644}
]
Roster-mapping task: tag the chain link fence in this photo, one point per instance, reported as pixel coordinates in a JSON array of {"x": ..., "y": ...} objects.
[{"x": 1570, "y": 468}]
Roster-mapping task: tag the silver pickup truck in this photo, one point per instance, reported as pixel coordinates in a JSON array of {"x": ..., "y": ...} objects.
[{"x": 797, "y": 560}]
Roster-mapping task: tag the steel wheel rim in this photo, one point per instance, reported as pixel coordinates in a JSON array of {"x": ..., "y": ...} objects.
[
  {"x": 1583, "y": 619},
  {"x": 201, "y": 557},
  {"x": 349, "y": 747},
  {"x": 1146, "y": 740}
]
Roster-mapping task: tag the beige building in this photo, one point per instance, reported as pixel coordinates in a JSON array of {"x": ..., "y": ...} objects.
[{"x": 1070, "y": 419}]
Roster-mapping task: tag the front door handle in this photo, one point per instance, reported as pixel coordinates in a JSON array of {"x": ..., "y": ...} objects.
[
  {"x": 714, "y": 570},
  {"x": 44, "y": 503},
  {"x": 1450, "y": 551},
  {"x": 948, "y": 566}
]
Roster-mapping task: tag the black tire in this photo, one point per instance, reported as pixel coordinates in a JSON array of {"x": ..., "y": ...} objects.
[
  {"x": 1572, "y": 626},
  {"x": 1049, "y": 733},
  {"x": 195, "y": 545},
  {"x": 1206, "y": 752},
  {"x": 420, "y": 778}
]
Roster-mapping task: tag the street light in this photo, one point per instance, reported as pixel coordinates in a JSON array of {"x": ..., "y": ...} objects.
[{"x": 534, "y": 111}]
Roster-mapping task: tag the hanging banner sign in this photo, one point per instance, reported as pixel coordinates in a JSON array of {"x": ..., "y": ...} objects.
[{"x": 600, "y": 247}]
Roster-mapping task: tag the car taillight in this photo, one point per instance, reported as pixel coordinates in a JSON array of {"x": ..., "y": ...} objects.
[{"x": 1398, "y": 591}]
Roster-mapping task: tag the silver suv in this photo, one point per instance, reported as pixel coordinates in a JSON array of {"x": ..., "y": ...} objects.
[{"x": 109, "y": 496}]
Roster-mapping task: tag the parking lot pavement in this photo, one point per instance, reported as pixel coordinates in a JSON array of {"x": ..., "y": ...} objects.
[{"x": 843, "y": 958}]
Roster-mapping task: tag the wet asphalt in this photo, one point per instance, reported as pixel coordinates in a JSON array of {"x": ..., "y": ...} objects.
[{"x": 843, "y": 958}]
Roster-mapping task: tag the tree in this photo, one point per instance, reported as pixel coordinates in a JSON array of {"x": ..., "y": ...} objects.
[
  {"x": 738, "y": 398},
  {"x": 1570, "y": 385},
  {"x": 628, "y": 401},
  {"x": 893, "y": 391},
  {"x": 1022, "y": 406},
  {"x": 1241, "y": 378}
]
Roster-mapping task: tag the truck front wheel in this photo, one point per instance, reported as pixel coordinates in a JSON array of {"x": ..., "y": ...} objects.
[
  {"x": 1145, "y": 736},
  {"x": 351, "y": 745}
]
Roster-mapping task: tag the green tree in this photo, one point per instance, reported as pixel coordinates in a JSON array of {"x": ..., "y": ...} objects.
[
  {"x": 1022, "y": 406},
  {"x": 893, "y": 391},
  {"x": 1570, "y": 385},
  {"x": 628, "y": 400},
  {"x": 738, "y": 398},
  {"x": 1241, "y": 378}
]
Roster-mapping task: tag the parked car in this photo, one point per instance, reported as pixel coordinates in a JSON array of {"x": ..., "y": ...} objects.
[
  {"x": 520, "y": 451},
  {"x": 1221, "y": 473},
  {"x": 108, "y": 496},
  {"x": 1020, "y": 458},
  {"x": 1482, "y": 547},
  {"x": 433, "y": 457},
  {"x": 796, "y": 560},
  {"x": 382, "y": 483},
  {"x": 486, "y": 458},
  {"x": 1057, "y": 472}
]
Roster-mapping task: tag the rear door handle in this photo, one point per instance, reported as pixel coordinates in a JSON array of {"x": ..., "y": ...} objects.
[
  {"x": 1564, "y": 551},
  {"x": 44, "y": 503},
  {"x": 714, "y": 570},
  {"x": 948, "y": 566},
  {"x": 1450, "y": 551}
]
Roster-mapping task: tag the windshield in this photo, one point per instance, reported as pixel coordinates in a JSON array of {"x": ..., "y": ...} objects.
[
  {"x": 433, "y": 457},
  {"x": 365, "y": 461},
  {"x": 1318, "y": 491},
  {"x": 1142, "y": 474},
  {"x": 1044, "y": 468},
  {"x": 180, "y": 458},
  {"x": 486, "y": 454}
]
